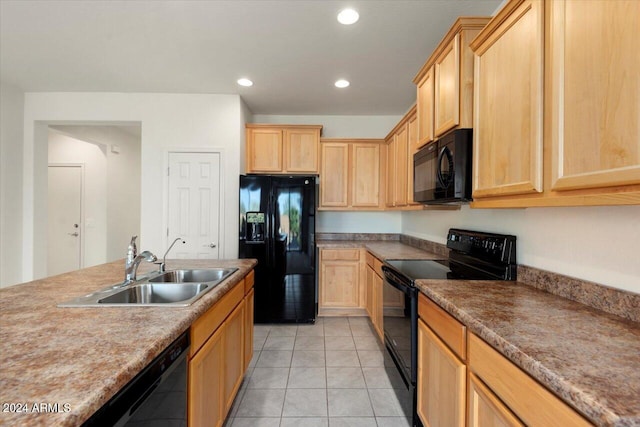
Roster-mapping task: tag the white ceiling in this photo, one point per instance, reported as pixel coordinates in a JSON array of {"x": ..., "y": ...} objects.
[{"x": 292, "y": 50}]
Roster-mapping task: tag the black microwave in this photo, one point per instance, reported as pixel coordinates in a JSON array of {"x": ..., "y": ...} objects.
[{"x": 442, "y": 169}]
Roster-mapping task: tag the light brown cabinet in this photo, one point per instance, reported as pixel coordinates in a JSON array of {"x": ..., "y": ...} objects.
[
  {"x": 401, "y": 145},
  {"x": 374, "y": 291},
  {"x": 350, "y": 174},
  {"x": 441, "y": 388},
  {"x": 485, "y": 409},
  {"x": 445, "y": 82},
  {"x": 518, "y": 392},
  {"x": 425, "y": 104},
  {"x": 567, "y": 132},
  {"x": 508, "y": 106},
  {"x": 341, "y": 282},
  {"x": 218, "y": 355},
  {"x": 489, "y": 390},
  {"x": 292, "y": 149}
]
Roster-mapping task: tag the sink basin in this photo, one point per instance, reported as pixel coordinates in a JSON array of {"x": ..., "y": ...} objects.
[
  {"x": 169, "y": 288},
  {"x": 156, "y": 293},
  {"x": 193, "y": 276}
]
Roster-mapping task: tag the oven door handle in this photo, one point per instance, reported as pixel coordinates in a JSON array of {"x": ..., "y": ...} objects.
[{"x": 400, "y": 283}]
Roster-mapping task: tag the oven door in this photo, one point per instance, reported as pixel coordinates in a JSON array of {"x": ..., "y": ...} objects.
[{"x": 400, "y": 322}]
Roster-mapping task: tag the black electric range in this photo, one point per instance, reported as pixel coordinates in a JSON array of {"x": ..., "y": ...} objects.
[{"x": 473, "y": 255}]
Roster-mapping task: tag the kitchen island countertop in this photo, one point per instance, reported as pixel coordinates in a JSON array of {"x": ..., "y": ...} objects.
[{"x": 80, "y": 357}]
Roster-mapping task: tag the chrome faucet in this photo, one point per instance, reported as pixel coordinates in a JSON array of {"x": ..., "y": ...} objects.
[
  {"x": 133, "y": 261},
  {"x": 164, "y": 258}
]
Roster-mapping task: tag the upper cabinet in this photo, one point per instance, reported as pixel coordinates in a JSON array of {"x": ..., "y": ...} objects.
[
  {"x": 445, "y": 82},
  {"x": 402, "y": 143},
  {"x": 508, "y": 104},
  {"x": 291, "y": 149},
  {"x": 557, "y": 105},
  {"x": 350, "y": 174}
]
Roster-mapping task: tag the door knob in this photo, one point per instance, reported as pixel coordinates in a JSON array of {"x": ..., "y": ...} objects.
[
  {"x": 210, "y": 245},
  {"x": 73, "y": 234}
]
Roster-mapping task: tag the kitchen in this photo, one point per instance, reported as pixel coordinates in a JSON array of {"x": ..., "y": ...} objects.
[{"x": 551, "y": 239}]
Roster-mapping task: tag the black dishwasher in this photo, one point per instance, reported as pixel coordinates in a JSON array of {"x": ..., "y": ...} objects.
[{"x": 156, "y": 396}]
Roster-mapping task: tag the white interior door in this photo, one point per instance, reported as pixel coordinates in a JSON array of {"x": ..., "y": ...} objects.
[
  {"x": 64, "y": 240},
  {"x": 194, "y": 204}
]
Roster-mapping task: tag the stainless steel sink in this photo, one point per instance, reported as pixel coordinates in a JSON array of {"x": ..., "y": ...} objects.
[
  {"x": 169, "y": 288},
  {"x": 192, "y": 276},
  {"x": 156, "y": 293}
]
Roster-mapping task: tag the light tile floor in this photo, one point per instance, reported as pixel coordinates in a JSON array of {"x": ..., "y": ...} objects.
[{"x": 330, "y": 374}]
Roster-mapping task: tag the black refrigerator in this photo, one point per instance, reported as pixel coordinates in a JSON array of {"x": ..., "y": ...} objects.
[{"x": 277, "y": 227}]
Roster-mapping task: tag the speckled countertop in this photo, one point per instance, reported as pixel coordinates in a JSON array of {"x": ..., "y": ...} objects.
[
  {"x": 591, "y": 359},
  {"x": 83, "y": 356}
]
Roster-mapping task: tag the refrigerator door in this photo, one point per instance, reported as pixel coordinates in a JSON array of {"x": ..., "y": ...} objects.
[
  {"x": 277, "y": 227},
  {"x": 294, "y": 248}
]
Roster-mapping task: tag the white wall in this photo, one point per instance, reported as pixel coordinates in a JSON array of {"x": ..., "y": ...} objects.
[
  {"x": 123, "y": 179},
  {"x": 169, "y": 121},
  {"x": 348, "y": 127},
  {"x": 64, "y": 149},
  {"x": 599, "y": 244},
  {"x": 11, "y": 136}
]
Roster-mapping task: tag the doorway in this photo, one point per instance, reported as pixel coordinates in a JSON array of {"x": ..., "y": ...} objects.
[
  {"x": 194, "y": 204},
  {"x": 65, "y": 202}
]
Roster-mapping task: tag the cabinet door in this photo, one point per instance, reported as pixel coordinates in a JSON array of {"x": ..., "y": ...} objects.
[
  {"x": 390, "y": 199},
  {"x": 441, "y": 382},
  {"x": 248, "y": 328},
  {"x": 447, "y": 88},
  {"x": 264, "y": 150},
  {"x": 233, "y": 339},
  {"x": 339, "y": 285},
  {"x": 301, "y": 150},
  {"x": 205, "y": 388},
  {"x": 425, "y": 104},
  {"x": 334, "y": 175},
  {"x": 412, "y": 135},
  {"x": 594, "y": 96},
  {"x": 507, "y": 146},
  {"x": 485, "y": 409},
  {"x": 369, "y": 293},
  {"x": 377, "y": 306},
  {"x": 400, "y": 173},
  {"x": 365, "y": 174}
]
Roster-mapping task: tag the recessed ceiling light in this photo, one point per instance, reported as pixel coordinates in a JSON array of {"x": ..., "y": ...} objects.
[
  {"x": 348, "y": 16},
  {"x": 342, "y": 83},
  {"x": 245, "y": 82}
]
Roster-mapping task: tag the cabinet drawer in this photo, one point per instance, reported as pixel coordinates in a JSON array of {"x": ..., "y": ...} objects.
[
  {"x": 248, "y": 282},
  {"x": 530, "y": 401},
  {"x": 207, "y": 324},
  {"x": 341, "y": 254},
  {"x": 452, "y": 332}
]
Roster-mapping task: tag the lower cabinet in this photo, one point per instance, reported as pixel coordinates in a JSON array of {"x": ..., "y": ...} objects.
[
  {"x": 463, "y": 381},
  {"x": 441, "y": 382},
  {"x": 374, "y": 298},
  {"x": 341, "y": 287},
  {"x": 485, "y": 409},
  {"x": 218, "y": 356}
]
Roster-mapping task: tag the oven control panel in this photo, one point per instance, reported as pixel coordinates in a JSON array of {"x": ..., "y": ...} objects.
[{"x": 497, "y": 248}]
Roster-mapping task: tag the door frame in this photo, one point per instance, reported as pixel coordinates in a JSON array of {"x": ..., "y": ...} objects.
[
  {"x": 82, "y": 207},
  {"x": 165, "y": 193}
]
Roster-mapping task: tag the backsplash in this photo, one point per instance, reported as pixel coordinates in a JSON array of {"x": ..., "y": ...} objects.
[
  {"x": 615, "y": 301},
  {"x": 358, "y": 236}
]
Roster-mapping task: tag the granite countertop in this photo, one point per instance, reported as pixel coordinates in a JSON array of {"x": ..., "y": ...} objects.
[
  {"x": 590, "y": 358},
  {"x": 82, "y": 356}
]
